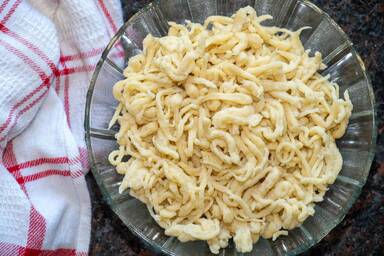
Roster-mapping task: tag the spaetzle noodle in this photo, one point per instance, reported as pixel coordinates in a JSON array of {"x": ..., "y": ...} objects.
[{"x": 230, "y": 130}]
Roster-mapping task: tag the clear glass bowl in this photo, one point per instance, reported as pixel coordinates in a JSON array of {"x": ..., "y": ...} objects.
[{"x": 344, "y": 67}]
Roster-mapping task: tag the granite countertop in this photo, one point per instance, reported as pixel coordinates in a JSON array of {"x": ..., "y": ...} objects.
[{"x": 361, "y": 232}]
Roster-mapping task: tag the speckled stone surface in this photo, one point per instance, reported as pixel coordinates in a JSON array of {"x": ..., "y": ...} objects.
[{"x": 362, "y": 230}]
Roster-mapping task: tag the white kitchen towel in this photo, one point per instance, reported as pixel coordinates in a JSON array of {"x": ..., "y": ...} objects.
[{"x": 48, "y": 51}]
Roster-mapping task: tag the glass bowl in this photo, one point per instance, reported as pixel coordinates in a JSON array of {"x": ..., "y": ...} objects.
[{"x": 344, "y": 67}]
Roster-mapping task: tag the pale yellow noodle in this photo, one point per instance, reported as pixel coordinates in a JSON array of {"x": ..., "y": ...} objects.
[{"x": 230, "y": 129}]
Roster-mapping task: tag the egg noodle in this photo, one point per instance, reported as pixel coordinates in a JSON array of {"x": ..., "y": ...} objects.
[{"x": 229, "y": 128}]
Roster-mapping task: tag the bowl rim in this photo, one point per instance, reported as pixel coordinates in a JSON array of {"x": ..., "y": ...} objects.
[{"x": 151, "y": 243}]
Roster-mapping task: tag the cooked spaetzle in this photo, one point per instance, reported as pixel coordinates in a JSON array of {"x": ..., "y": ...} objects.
[{"x": 230, "y": 129}]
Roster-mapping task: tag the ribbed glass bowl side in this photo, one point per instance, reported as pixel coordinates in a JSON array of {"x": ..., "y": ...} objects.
[{"x": 344, "y": 67}]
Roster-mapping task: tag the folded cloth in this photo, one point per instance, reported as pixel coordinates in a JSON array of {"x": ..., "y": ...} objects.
[{"x": 48, "y": 50}]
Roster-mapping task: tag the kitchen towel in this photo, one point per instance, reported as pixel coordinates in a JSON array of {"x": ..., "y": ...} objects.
[{"x": 48, "y": 51}]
